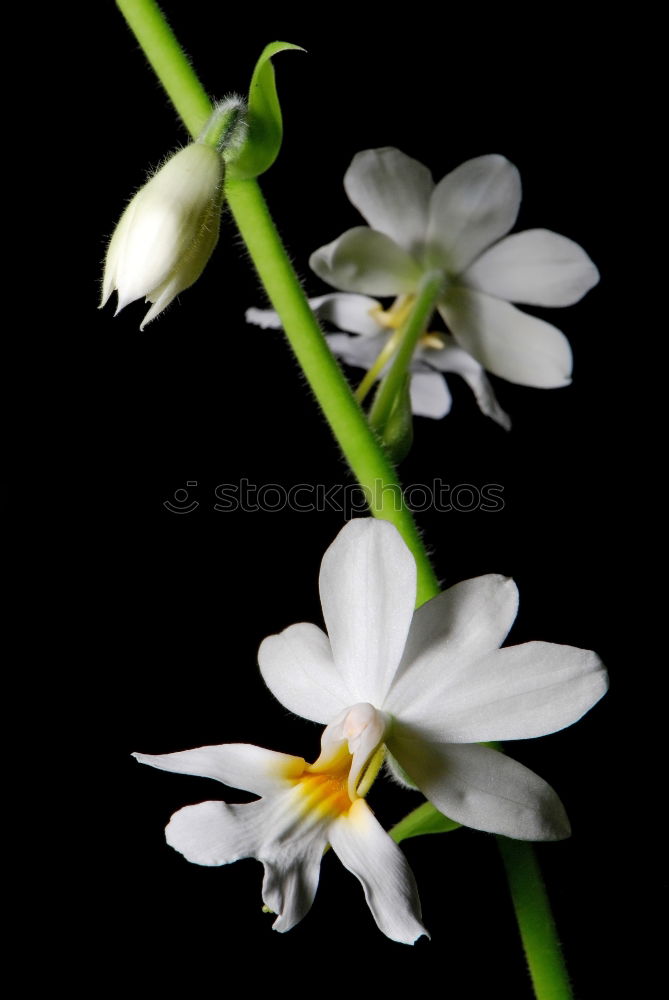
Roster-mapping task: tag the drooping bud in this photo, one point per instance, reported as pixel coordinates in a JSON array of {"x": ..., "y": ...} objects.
[{"x": 168, "y": 231}]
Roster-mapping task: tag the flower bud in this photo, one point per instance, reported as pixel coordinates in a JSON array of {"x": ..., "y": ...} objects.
[{"x": 168, "y": 231}]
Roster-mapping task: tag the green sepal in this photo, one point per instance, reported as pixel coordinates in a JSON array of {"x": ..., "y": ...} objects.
[
  {"x": 424, "y": 819},
  {"x": 265, "y": 124},
  {"x": 397, "y": 435}
]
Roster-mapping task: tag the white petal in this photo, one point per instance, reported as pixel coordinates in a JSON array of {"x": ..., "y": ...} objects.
[
  {"x": 239, "y": 765},
  {"x": 290, "y": 884},
  {"x": 362, "y": 260},
  {"x": 452, "y": 358},
  {"x": 447, "y": 635},
  {"x": 536, "y": 267},
  {"x": 470, "y": 209},
  {"x": 482, "y": 788},
  {"x": 359, "y": 352},
  {"x": 368, "y": 593},
  {"x": 515, "y": 694},
  {"x": 214, "y": 833},
  {"x": 392, "y": 192},
  {"x": 429, "y": 395},
  {"x": 298, "y": 668},
  {"x": 273, "y": 830},
  {"x": 364, "y": 847},
  {"x": 349, "y": 312},
  {"x": 508, "y": 342}
]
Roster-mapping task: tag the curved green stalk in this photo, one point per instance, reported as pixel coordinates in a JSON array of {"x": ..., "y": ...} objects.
[
  {"x": 427, "y": 294},
  {"x": 359, "y": 444}
]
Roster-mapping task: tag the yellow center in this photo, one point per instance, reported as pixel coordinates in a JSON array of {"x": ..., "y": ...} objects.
[{"x": 324, "y": 789}]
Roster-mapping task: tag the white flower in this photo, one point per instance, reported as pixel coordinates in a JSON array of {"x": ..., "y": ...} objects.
[
  {"x": 436, "y": 354},
  {"x": 168, "y": 232},
  {"x": 457, "y": 227},
  {"x": 303, "y": 808},
  {"x": 434, "y": 682},
  {"x": 428, "y": 686}
]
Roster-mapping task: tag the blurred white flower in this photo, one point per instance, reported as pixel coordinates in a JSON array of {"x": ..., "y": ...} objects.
[
  {"x": 168, "y": 232},
  {"x": 437, "y": 354},
  {"x": 457, "y": 227}
]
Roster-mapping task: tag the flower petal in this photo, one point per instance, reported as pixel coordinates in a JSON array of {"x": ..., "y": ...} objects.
[
  {"x": 363, "y": 846},
  {"x": 448, "y": 634},
  {"x": 298, "y": 668},
  {"x": 349, "y": 312},
  {"x": 482, "y": 788},
  {"x": 392, "y": 192},
  {"x": 514, "y": 694},
  {"x": 362, "y": 260},
  {"x": 429, "y": 395},
  {"x": 368, "y": 593},
  {"x": 240, "y": 765},
  {"x": 358, "y": 352},
  {"x": 470, "y": 209},
  {"x": 453, "y": 359},
  {"x": 290, "y": 885},
  {"x": 536, "y": 267},
  {"x": 214, "y": 833},
  {"x": 508, "y": 342}
]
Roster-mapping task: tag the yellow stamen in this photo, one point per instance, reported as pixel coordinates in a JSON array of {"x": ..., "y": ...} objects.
[
  {"x": 433, "y": 340},
  {"x": 393, "y": 318}
]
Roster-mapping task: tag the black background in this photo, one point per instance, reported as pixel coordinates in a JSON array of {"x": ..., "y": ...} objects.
[{"x": 176, "y": 604}]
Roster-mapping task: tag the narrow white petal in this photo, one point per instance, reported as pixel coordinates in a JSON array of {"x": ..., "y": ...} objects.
[
  {"x": 535, "y": 267},
  {"x": 290, "y": 884},
  {"x": 392, "y": 192},
  {"x": 514, "y": 694},
  {"x": 447, "y": 635},
  {"x": 470, "y": 209},
  {"x": 349, "y": 312},
  {"x": 482, "y": 788},
  {"x": 362, "y": 260},
  {"x": 368, "y": 593},
  {"x": 240, "y": 765},
  {"x": 298, "y": 668},
  {"x": 429, "y": 395},
  {"x": 508, "y": 342},
  {"x": 214, "y": 833},
  {"x": 363, "y": 846},
  {"x": 452, "y": 358}
]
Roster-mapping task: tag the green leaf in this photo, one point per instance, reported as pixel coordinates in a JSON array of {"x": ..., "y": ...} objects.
[
  {"x": 424, "y": 819},
  {"x": 265, "y": 124}
]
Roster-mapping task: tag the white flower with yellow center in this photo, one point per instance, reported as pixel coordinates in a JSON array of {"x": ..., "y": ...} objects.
[
  {"x": 168, "y": 232},
  {"x": 376, "y": 333},
  {"x": 425, "y": 686},
  {"x": 304, "y": 807}
]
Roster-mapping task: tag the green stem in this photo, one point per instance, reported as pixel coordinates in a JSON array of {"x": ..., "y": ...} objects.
[
  {"x": 371, "y": 375},
  {"x": 361, "y": 449},
  {"x": 428, "y": 292},
  {"x": 363, "y": 452},
  {"x": 535, "y": 921}
]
